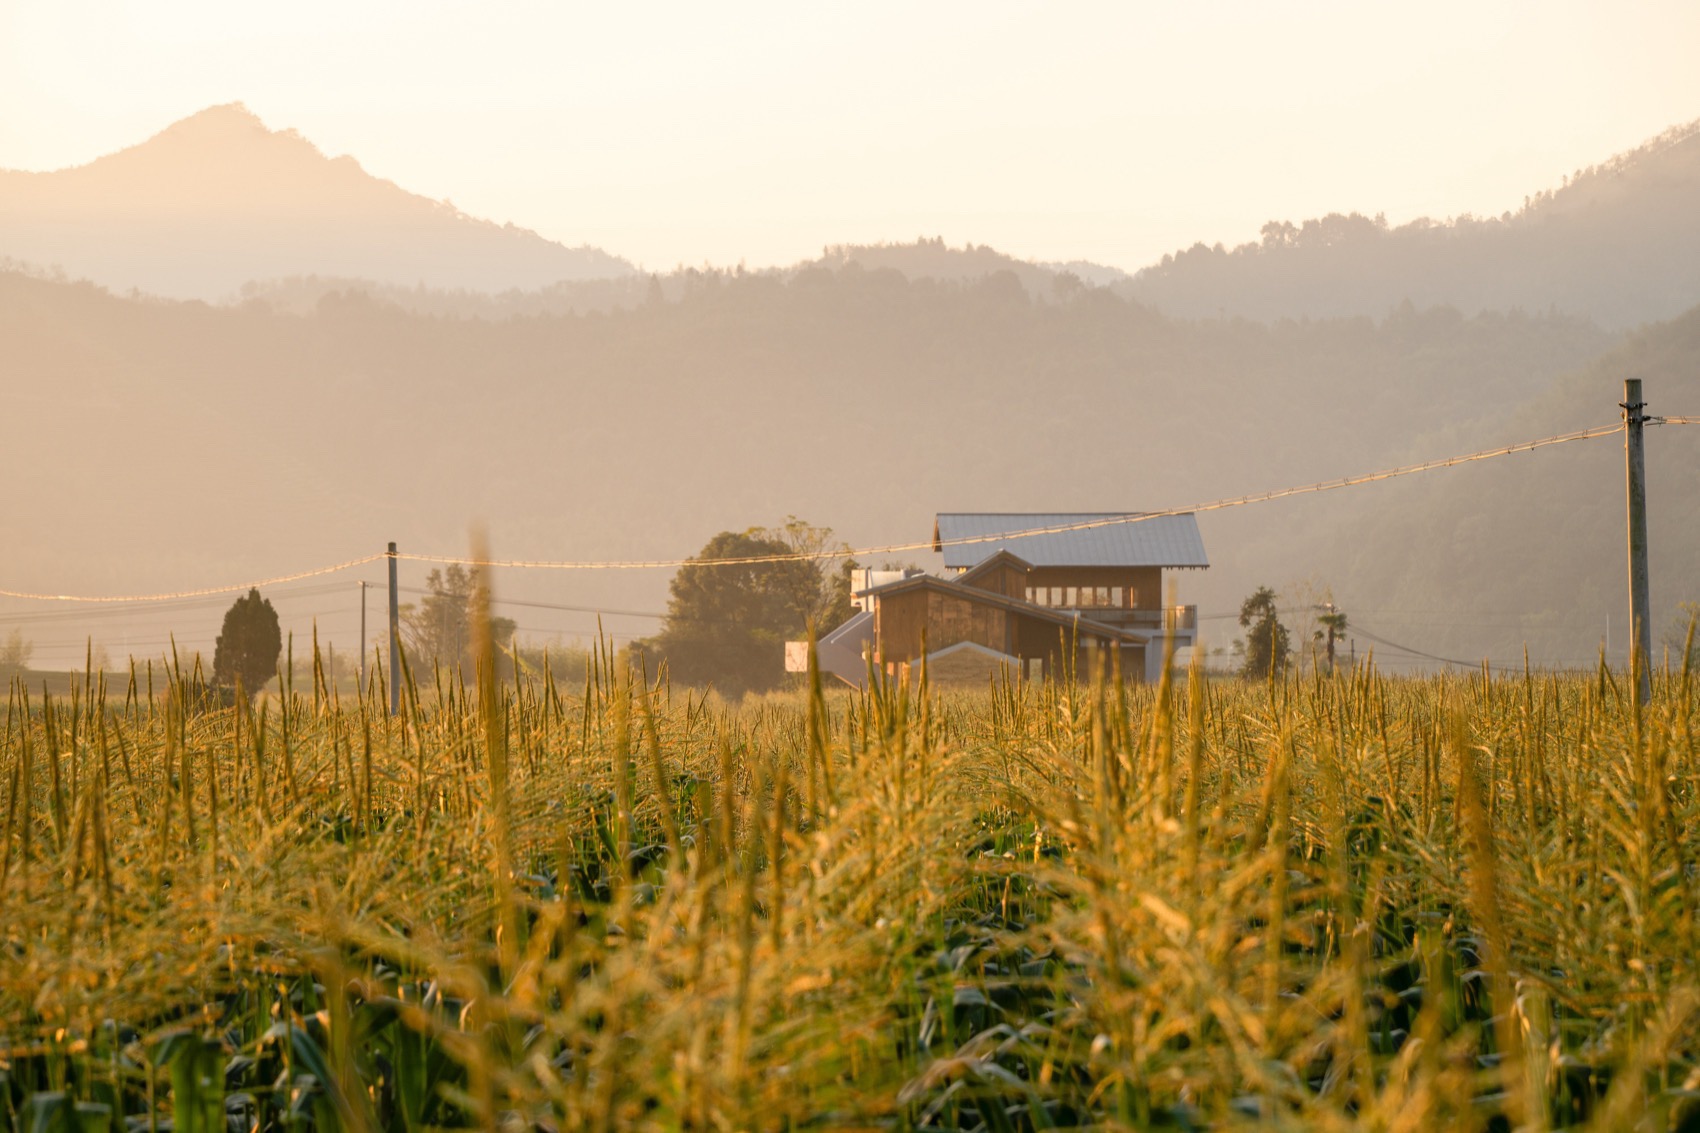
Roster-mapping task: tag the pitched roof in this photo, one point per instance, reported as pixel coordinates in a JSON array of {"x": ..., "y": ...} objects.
[
  {"x": 1098, "y": 538},
  {"x": 986, "y": 565}
]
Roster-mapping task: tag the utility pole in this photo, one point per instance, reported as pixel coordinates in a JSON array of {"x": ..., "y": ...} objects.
[
  {"x": 362, "y": 637},
  {"x": 395, "y": 640},
  {"x": 1640, "y": 605}
]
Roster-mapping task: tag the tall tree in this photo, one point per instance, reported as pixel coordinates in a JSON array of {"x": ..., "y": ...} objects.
[
  {"x": 726, "y": 625},
  {"x": 15, "y": 652},
  {"x": 439, "y": 628},
  {"x": 1333, "y": 620},
  {"x": 1266, "y": 646},
  {"x": 249, "y": 643}
]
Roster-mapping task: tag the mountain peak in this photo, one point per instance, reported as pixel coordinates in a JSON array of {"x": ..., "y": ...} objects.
[
  {"x": 222, "y": 133},
  {"x": 218, "y": 199},
  {"x": 227, "y": 115}
]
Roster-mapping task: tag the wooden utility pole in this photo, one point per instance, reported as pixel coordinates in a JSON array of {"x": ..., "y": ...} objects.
[
  {"x": 362, "y": 637},
  {"x": 395, "y": 640},
  {"x": 1640, "y": 606}
]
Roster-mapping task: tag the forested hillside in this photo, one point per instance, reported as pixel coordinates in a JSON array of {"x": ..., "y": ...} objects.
[
  {"x": 1476, "y": 561},
  {"x": 261, "y": 441},
  {"x": 1618, "y": 243}
]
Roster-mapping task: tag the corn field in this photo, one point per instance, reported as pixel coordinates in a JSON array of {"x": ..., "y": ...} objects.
[{"x": 1333, "y": 902}]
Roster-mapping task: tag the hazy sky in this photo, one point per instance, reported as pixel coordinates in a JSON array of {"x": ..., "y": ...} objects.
[{"x": 759, "y": 132}]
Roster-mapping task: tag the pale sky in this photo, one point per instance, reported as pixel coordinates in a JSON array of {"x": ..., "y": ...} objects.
[{"x": 720, "y": 133}]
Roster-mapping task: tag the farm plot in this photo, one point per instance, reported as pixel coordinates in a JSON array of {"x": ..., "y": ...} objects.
[{"x": 1337, "y": 902}]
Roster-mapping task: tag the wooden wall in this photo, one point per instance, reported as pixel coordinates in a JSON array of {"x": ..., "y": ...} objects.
[
  {"x": 1005, "y": 578},
  {"x": 946, "y": 619}
]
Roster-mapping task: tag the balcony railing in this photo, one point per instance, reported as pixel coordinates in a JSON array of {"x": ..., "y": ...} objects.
[{"x": 1181, "y": 619}]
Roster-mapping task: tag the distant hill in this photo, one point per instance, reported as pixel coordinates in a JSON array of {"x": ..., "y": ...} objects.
[
  {"x": 212, "y": 444},
  {"x": 1619, "y": 243},
  {"x": 924, "y": 259},
  {"x": 217, "y": 200},
  {"x": 1477, "y": 561}
]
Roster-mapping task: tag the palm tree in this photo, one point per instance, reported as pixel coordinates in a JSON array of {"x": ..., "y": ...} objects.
[{"x": 1334, "y": 621}]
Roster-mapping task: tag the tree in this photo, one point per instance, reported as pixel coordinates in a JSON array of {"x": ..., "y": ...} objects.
[
  {"x": 15, "y": 653},
  {"x": 439, "y": 629},
  {"x": 822, "y": 594},
  {"x": 1266, "y": 647},
  {"x": 1334, "y": 621},
  {"x": 727, "y": 625},
  {"x": 249, "y": 644},
  {"x": 1675, "y": 637}
]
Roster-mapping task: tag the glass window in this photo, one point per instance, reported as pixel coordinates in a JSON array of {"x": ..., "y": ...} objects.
[
  {"x": 1115, "y": 596},
  {"x": 1056, "y": 596},
  {"x": 1072, "y": 598}
]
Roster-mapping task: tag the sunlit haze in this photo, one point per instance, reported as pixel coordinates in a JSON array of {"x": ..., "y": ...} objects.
[
  {"x": 367, "y": 272},
  {"x": 757, "y": 133}
]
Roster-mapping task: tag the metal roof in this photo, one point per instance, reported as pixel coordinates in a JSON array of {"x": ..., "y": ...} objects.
[{"x": 1112, "y": 540}]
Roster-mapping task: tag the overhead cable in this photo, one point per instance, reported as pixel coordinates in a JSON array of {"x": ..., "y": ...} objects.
[
  {"x": 202, "y": 592},
  {"x": 1053, "y": 529},
  {"x": 889, "y": 548}
]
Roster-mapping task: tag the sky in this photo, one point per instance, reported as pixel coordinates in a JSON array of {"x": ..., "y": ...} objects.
[{"x": 677, "y": 134}]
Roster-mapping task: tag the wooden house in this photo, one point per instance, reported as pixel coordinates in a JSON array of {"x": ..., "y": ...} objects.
[{"x": 1029, "y": 591}]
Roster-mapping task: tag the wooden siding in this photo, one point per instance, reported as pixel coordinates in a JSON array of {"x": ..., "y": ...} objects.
[
  {"x": 899, "y": 620},
  {"x": 951, "y": 619},
  {"x": 1005, "y": 578},
  {"x": 941, "y": 619}
]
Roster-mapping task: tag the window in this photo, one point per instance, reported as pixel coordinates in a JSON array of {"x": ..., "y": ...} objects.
[
  {"x": 1115, "y": 596},
  {"x": 1072, "y": 601},
  {"x": 1056, "y": 596}
]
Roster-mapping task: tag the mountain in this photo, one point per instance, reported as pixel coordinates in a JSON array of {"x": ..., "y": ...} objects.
[
  {"x": 1618, "y": 243},
  {"x": 218, "y": 199}
]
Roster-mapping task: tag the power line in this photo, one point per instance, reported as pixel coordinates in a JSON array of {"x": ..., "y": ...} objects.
[
  {"x": 203, "y": 592},
  {"x": 891, "y": 548},
  {"x": 1360, "y": 631},
  {"x": 1055, "y": 529},
  {"x": 497, "y": 600},
  {"x": 151, "y": 608}
]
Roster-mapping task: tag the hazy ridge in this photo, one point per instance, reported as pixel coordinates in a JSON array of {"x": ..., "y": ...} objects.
[
  {"x": 855, "y": 398},
  {"x": 1618, "y": 242},
  {"x": 217, "y": 200},
  {"x": 324, "y": 411}
]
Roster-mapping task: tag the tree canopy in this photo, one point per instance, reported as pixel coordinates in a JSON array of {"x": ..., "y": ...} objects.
[
  {"x": 727, "y": 625},
  {"x": 249, "y": 643},
  {"x": 438, "y": 629},
  {"x": 1266, "y": 644}
]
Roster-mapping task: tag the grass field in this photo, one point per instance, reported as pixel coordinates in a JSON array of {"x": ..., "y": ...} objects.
[{"x": 1334, "y": 902}]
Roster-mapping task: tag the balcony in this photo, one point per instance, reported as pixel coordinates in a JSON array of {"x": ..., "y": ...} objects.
[{"x": 1178, "y": 619}]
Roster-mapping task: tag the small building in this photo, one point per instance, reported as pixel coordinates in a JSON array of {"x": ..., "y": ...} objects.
[{"x": 1027, "y": 590}]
